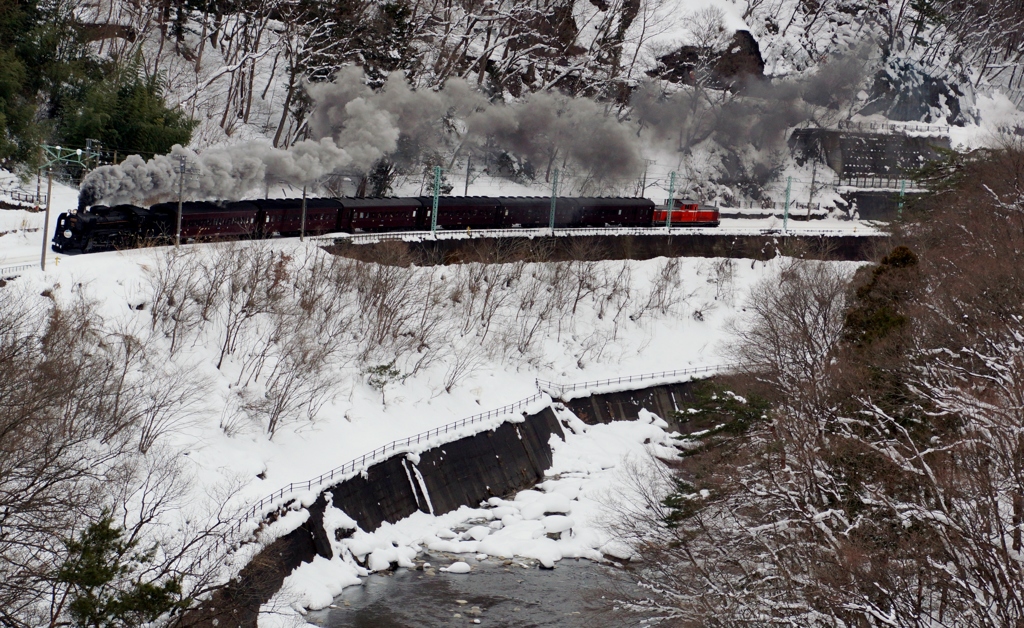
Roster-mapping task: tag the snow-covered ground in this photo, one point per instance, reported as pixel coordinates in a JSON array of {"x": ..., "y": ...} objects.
[
  {"x": 232, "y": 462},
  {"x": 21, "y": 238},
  {"x": 565, "y": 516}
]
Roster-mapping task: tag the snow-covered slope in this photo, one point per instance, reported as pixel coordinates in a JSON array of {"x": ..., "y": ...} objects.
[{"x": 456, "y": 340}]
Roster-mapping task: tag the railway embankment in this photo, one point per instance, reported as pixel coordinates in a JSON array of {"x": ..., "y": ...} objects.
[
  {"x": 467, "y": 471},
  {"x": 426, "y": 250}
]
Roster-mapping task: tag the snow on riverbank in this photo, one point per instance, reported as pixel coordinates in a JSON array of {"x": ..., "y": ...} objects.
[
  {"x": 228, "y": 460},
  {"x": 565, "y": 516}
]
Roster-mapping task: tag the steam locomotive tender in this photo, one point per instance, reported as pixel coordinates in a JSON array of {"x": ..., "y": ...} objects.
[{"x": 102, "y": 228}]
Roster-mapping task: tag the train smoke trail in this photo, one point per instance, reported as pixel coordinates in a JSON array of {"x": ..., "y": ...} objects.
[
  {"x": 227, "y": 172},
  {"x": 541, "y": 128},
  {"x": 353, "y": 126}
]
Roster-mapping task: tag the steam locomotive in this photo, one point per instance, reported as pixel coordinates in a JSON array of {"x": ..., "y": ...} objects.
[{"x": 101, "y": 228}]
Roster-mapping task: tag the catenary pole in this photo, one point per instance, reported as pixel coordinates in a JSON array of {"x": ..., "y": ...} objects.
[
  {"x": 810, "y": 197},
  {"x": 46, "y": 219},
  {"x": 469, "y": 164},
  {"x": 554, "y": 200},
  {"x": 785, "y": 210},
  {"x": 899, "y": 207},
  {"x": 668, "y": 203},
  {"x": 302, "y": 225},
  {"x": 437, "y": 193},
  {"x": 181, "y": 193}
]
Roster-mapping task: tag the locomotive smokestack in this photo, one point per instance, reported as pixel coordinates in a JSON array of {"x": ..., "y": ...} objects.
[{"x": 86, "y": 197}]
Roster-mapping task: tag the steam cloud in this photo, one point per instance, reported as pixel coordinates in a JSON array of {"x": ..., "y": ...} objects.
[
  {"x": 541, "y": 128},
  {"x": 225, "y": 173},
  {"x": 353, "y": 126}
]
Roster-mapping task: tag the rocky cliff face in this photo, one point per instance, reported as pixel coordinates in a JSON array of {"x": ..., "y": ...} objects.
[{"x": 740, "y": 61}]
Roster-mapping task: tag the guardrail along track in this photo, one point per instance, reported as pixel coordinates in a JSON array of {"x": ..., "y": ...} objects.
[
  {"x": 7, "y": 271},
  {"x": 417, "y": 236}
]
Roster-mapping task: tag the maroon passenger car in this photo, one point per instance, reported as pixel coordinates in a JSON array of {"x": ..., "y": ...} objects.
[
  {"x": 461, "y": 212},
  {"x": 203, "y": 220},
  {"x": 378, "y": 214},
  {"x": 283, "y": 216}
]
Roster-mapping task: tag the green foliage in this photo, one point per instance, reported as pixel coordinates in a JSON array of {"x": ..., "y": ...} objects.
[
  {"x": 384, "y": 41},
  {"x": 722, "y": 411},
  {"x": 378, "y": 377},
  {"x": 127, "y": 111},
  {"x": 103, "y": 592},
  {"x": 17, "y": 127},
  {"x": 682, "y": 503},
  {"x": 381, "y": 177},
  {"x": 725, "y": 416},
  {"x": 877, "y": 310},
  {"x": 947, "y": 173},
  {"x": 52, "y": 88}
]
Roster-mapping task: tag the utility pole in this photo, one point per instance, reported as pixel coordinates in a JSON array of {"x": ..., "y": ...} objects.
[
  {"x": 46, "y": 219},
  {"x": 810, "y": 197},
  {"x": 814, "y": 172},
  {"x": 899, "y": 206},
  {"x": 785, "y": 210},
  {"x": 469, "y": 164},
  {"x": 554, "y": 201},
  {"x": 181, "y": 192},
  {"x": 302, "y": 226},
  {"x": 668, "y": 203},
  {"x": 437, "y": 193}
]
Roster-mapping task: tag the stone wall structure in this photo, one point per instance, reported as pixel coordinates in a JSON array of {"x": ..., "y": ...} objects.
[{"x": 467, "y": 471}]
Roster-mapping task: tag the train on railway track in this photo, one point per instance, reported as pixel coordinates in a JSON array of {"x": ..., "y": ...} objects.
[{"x": 104, "y": 228}]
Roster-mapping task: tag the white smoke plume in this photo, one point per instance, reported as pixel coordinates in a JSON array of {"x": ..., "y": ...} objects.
[
  {"x": 224, "y": 172},
  {"x": 353, "y": 126},
  {"x": 541, "y": 128}
]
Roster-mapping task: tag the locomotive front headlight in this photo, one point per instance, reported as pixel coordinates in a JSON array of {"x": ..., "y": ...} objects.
[{"x": 67, "y": 233}]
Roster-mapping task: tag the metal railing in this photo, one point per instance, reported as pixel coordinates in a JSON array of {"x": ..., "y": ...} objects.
[
  {"x": 770, "y": 206},
  {"x": 878, "y": 183},
  {"x": 358, "y": 464},
  {"x": 559, "y": 390},
  {"x": 7, "y": 271},
  {"x": 894, "y": 127},
  {"x": 458, "y": 234},
  {"x": 350, "y": 468},
  {"x": 796, "y": 211},
  {"x": 27, "y": 197},
  {"x": 277, "y": 499},
  {"x": 722, "y": 231}
]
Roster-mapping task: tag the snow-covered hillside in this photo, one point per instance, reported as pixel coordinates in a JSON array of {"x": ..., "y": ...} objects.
[{"x": 257, "y": 362}]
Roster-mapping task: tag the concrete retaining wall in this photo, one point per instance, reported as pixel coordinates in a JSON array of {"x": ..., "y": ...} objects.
[
  {"x": 609, "y": 247},
  {"x": 626, "y": 405},
  {"x": 463, "y": 472}
]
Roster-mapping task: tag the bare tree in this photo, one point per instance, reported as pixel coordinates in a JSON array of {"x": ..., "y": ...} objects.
[{"x": 881, "y": 484}]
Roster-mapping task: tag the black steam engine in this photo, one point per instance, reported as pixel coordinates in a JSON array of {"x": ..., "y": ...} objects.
[{"x": 102, "y": 228}]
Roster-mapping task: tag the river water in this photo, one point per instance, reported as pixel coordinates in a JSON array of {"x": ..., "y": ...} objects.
[{"x": 497, "y": 592}]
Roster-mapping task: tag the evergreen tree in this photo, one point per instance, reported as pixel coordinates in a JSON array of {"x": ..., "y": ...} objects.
[
  {"x": 126, "y": 110},
  {"x": 104, "y": 592},
  {"x": 53, "y": 88}
]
